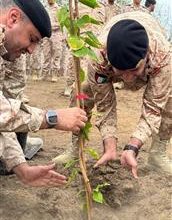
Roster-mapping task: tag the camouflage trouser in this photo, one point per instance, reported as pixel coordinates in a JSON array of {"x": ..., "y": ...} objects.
[
  {"x": 52, "y": 50},
  {"x": 68, "y": 68},
  {"x": 10, "y": 151},
  {"x": 36, "y": 60}
]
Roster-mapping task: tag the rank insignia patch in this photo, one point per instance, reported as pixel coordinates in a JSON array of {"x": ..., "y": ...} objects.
[{"x": 100, "y": 78}]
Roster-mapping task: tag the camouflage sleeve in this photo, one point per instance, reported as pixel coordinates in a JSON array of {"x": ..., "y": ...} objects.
[
  {"x": 155, "y": 99},
  {"x": 15, "y": 78},
  {"x": 12, "y": 153},
  {"x": 15, "y": 116},
  {"x": 105, "y": 100}
]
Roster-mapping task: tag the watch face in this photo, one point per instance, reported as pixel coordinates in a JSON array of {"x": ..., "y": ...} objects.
[{"x": 53, "y": 119}]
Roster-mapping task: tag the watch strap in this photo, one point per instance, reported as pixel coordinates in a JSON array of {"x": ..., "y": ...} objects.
[{"x": 132, "y": 147}]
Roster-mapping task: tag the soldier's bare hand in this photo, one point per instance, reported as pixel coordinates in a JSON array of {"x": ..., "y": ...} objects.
[
  {"x": 39, "y": 175},
  {"x": 110, "y": 153},
  {"x": 71, "y": 119},
  {"x": 128, "y": 159}
]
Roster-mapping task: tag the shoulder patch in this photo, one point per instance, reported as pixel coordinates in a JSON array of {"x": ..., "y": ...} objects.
[{"x": 100, "y": 78}]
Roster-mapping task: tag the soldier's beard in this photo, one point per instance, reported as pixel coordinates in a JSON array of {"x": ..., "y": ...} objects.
[
  {"x": 12, "y": 53},
  {"x": 9, "y": 57}
]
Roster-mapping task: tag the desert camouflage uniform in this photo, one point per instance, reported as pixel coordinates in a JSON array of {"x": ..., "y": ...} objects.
[
  {"x": 14, "y": 80},
  {"x": 12, "y": 84},
  {"x": 14, "y": 116},
  {"x": 52, "y": 47},
  {"x": 35, "y": 63},
  {"x": 156, "y": 116}
]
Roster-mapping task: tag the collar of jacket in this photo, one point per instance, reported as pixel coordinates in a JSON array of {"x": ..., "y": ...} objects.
[{"x": 2, "y": 39}]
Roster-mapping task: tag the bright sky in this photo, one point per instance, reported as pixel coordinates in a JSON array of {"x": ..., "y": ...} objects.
[{"x": 163, "y": 11}]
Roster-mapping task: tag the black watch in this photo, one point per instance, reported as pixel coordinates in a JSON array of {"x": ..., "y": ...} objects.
[
  {"x": 133, "y": 148},
  {"x": 51, "y": 118}
]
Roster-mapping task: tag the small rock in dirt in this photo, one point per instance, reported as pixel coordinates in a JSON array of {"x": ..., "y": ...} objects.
[
  {"x": 128, "y": 187},
  {"x": 117, "y": 203}
]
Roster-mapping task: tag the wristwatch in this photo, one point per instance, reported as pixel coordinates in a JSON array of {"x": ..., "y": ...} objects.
[
  {"x": 133, "y": 148},
  {"x": 51, "y": 118}
]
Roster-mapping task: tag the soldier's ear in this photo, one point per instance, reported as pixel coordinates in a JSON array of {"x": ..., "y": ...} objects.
[{"x": 13, "y": 17}]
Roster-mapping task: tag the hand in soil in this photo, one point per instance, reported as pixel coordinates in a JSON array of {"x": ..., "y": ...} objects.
[
  {"x": 107, "y": 156},
  {"x": 39, "y": 175},
  {"x": 71, "y": 119},
  {"x": 128, "y": 159}
]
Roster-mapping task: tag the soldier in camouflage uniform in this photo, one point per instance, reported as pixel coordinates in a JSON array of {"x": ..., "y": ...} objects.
[
  {"x": 15, "y": 116},
  {"x": 150, "y": 64},
  {"x": 52, "y": 48},
  {"x": 12, "y": 86}
]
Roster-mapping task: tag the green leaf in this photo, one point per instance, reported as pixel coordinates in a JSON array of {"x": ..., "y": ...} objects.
[
  {"x": 81, "y": 53},
  {"x": 86, "y": 19},
  {"x": 73, "y": 175},
  {"x": 62, "y": 15},
  {"x": 93, "y": 37},
  {"x": 98, "y": 197},
  {"x": 92, "y": 54},
  {"x": 75, "y": 42},
  {"x": 86, "y": 130},
  {"x": 90, "y": 3},
  {"x": 67, "y": 24},
  {"x": 93, "y": 153},
  {"x": 81, "y": 22},
  {"x": 97, "y": 194},
  {"x": 100, "y": 186},
  {"x": 70, "y": 163},
  {"x": 94, "y": 21},
  {"x": 84, "y": 52},
  {"x": 91, "y": 43},
  {"x": 82, "y": 75}
]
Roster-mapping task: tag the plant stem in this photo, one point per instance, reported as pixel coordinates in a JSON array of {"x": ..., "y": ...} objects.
[{"x": 80, "y": 104}]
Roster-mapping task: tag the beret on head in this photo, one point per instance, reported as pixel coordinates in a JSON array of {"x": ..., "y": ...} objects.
[
  {"x": 127, "y": 44},
  {"x": 37, "y": 14}
]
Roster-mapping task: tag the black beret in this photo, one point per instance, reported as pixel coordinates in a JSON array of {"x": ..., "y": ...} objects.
[
  {"x": 150, "y": 2},
  {"x": 37, "y": 14},
  {"x": 127, "y": 44}
]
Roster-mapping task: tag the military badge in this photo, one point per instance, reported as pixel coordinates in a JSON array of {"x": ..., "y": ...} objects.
[{"x": 100, "y": 78}]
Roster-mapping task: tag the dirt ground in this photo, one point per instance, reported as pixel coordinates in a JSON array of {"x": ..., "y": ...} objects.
[{"x": 148, "y": 198}]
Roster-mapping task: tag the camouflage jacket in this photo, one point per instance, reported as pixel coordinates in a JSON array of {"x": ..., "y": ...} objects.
[
  {"x": 14, "y": 116},
  {"x": 157, "y": 78}
]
